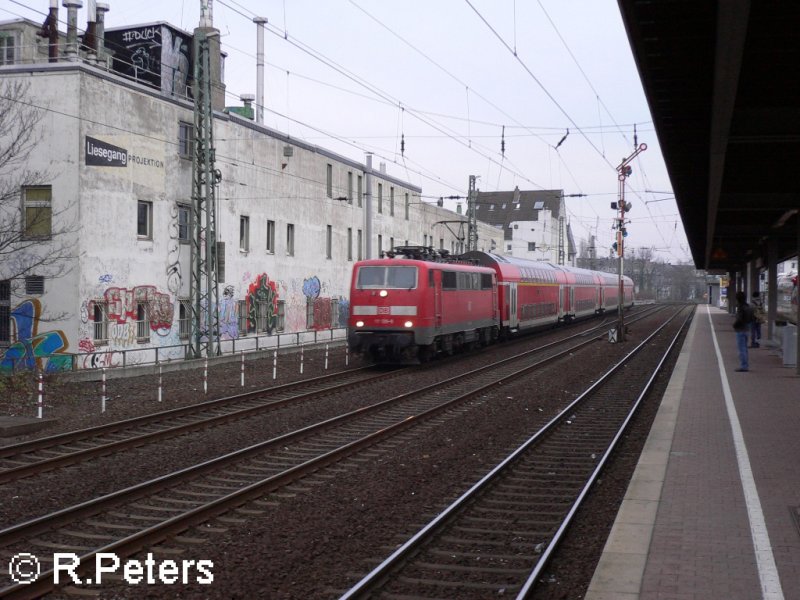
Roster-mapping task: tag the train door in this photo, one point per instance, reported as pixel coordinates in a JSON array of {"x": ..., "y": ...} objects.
[
  {"x": 562, "y": 309},
  {"x": 513, "y": 317},
  {"x": 572, "y": 310}
]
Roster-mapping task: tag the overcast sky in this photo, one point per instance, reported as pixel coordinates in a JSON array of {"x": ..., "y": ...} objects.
[{"x": 353, "y": 76}]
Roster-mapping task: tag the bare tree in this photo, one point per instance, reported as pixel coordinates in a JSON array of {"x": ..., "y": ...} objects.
[{"x": 33, "y": 236}]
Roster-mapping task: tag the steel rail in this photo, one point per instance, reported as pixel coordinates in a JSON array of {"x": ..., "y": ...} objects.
[{"x": 374, "y": 578}]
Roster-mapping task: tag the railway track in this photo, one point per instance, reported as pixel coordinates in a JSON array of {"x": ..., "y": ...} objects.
[
  {"x": 43, "y": 454},
  {"x": 143, "y": 515},
  {"x": 498, "y": 536}
]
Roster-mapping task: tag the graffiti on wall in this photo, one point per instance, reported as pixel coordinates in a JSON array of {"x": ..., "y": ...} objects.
[
  {"x": 228, "y": 314},
  {"x": 262, "y": 292},
  {"x": 174, "y": 276},
  {"x": 328, "y": 312},
  {"x": 33, "y": 350},
  {"x": 94, "y": 359},
  {"x": 122, "y": 304}
]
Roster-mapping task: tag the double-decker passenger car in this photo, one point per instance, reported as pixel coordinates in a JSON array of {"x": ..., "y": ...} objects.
[{"x": 418, "y": 302}]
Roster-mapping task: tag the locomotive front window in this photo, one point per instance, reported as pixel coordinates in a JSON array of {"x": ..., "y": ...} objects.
[{"x": 387, "y": 277}]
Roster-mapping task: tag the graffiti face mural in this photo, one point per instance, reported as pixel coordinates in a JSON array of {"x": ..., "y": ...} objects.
[
  {"x": 122, "y": 304},
  {"x": 33, "y": 350}
]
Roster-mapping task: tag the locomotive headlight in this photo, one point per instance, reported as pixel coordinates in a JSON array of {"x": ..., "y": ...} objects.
[
  {"x": 383, "y": 293},
  {"x": 408, "y": 324},
  {"x": 359, "y": 323}
]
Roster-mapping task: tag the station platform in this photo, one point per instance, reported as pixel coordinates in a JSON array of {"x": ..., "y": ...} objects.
[{"x": 713, "y": 509}]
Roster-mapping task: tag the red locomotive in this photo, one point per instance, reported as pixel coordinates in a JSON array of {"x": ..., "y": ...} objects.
[{"x": 418, "y": 302}]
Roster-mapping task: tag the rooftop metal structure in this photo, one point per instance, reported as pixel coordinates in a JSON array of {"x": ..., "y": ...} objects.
[{"x": 721, "y": 81}]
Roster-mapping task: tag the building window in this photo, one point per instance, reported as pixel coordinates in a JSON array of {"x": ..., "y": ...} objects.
[
  {"x": 334, "y": 313},
  {"x": 144, "y": 220},
  {"x": 100, "y": 323},
  {"x": 380, "y": 198},
  {"x": 34, "y": 285},
  {"x": 184, "y": 318},
  {"x": 491, "y": 207},
  {"x": 185, "y": 139},
  {"x": 359, "y": 246},
  {"x": 380, "y": 245},
  {"x": 349, "y": 187},
  {"x": 5, "y": 311},
  {"x": 441, "y": 243},
  {"x": 531, "y": 246},
  {"x": 391, "y": 244},
  {"x": 281, "y": 324},
  {"x": 516, "y": 206},
  {"x": 329, "y": 182},
  {"x": 391, "y": 201},
  {"x": 220, "y": 250},
  {"x": 142, "y": 323},
  {"x": 309, "y": 313},
  {"x": 243, "y": 317},
  {"x": 261, "y": 316},
  {"x": 184, "y": 218},
  {"x": 290, "y": 239},
  {"x": 360, "y": 191},
  {"x": 6, "y": 48},
  {"x": 37, "y": 204},
  {"x": 349, "y": 243},
  {"x": 508, "y": 247},
  {"x": 329, "y": 241},
  {"x": 407, "y": 205},
  {"x": 244, "y": 234},
  {"x": 271, "y": 237}
]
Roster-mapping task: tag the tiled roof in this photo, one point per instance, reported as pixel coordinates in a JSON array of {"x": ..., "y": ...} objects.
[{"x": 502, "y": 208}]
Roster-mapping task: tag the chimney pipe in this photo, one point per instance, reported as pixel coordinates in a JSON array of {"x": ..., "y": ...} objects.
[
  {"x": 89, "y": 38},
  {"x": 52, "y": 22},
  {"x": 72, "y": 7},
  {"x": 260, "y": 21},
  {"x": 102, "y": 9}
]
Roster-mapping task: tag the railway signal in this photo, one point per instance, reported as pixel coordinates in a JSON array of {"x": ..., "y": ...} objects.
[{"x": 624, "y": 170}]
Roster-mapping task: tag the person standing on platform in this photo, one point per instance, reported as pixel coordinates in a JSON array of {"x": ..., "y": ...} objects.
[
  {"x": 758, "y": 317},
  {"x": 744, "y": 317}
]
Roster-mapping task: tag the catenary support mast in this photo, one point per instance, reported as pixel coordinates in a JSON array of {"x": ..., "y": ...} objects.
[{"x": 204, "y": 283}]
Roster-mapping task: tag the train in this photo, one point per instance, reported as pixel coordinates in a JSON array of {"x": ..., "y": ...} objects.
[{"x": 415, "y": 302}]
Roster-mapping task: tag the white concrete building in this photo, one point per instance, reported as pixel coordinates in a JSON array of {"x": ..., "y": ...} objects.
[
  {"x": 118, "y": 156},
  {"x": 533, "y": 223}
]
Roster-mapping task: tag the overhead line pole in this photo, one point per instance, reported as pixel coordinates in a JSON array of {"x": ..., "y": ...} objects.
[{"x": 203, "y": 289}]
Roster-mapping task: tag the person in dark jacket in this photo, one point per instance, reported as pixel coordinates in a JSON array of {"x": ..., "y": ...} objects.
[{"x": 744, "y": 317}]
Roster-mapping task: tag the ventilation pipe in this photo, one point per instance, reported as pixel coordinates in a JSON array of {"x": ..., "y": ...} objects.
[
  {"x": 72, "y": 7},
  {"x": 102, "y": 9},
  {"x": 51, "y": 30},
  {"x": 260, "y": 21},
  {"x": 89, "y": 39}
]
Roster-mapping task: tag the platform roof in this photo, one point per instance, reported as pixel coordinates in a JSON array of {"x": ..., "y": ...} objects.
[{"x": 722, "y": 80}]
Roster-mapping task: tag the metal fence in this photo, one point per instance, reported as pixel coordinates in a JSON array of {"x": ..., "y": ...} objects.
[{"x": 155, "y": 355}]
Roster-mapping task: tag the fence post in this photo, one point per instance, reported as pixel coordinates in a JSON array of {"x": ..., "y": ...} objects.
[
  {"x": 243, "y": 367},
  {"x": 159, "y": 382},
  {"x": 346, "y": 355},
  {"x": 274, "y": 364},
  {"x": 205, "y": 376},
  {"x": 301, "y": 359},
  {"x": 41, "y": 391},
  {"x": 103, "y": 404},
  {"x": 326, "y": 357}
]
